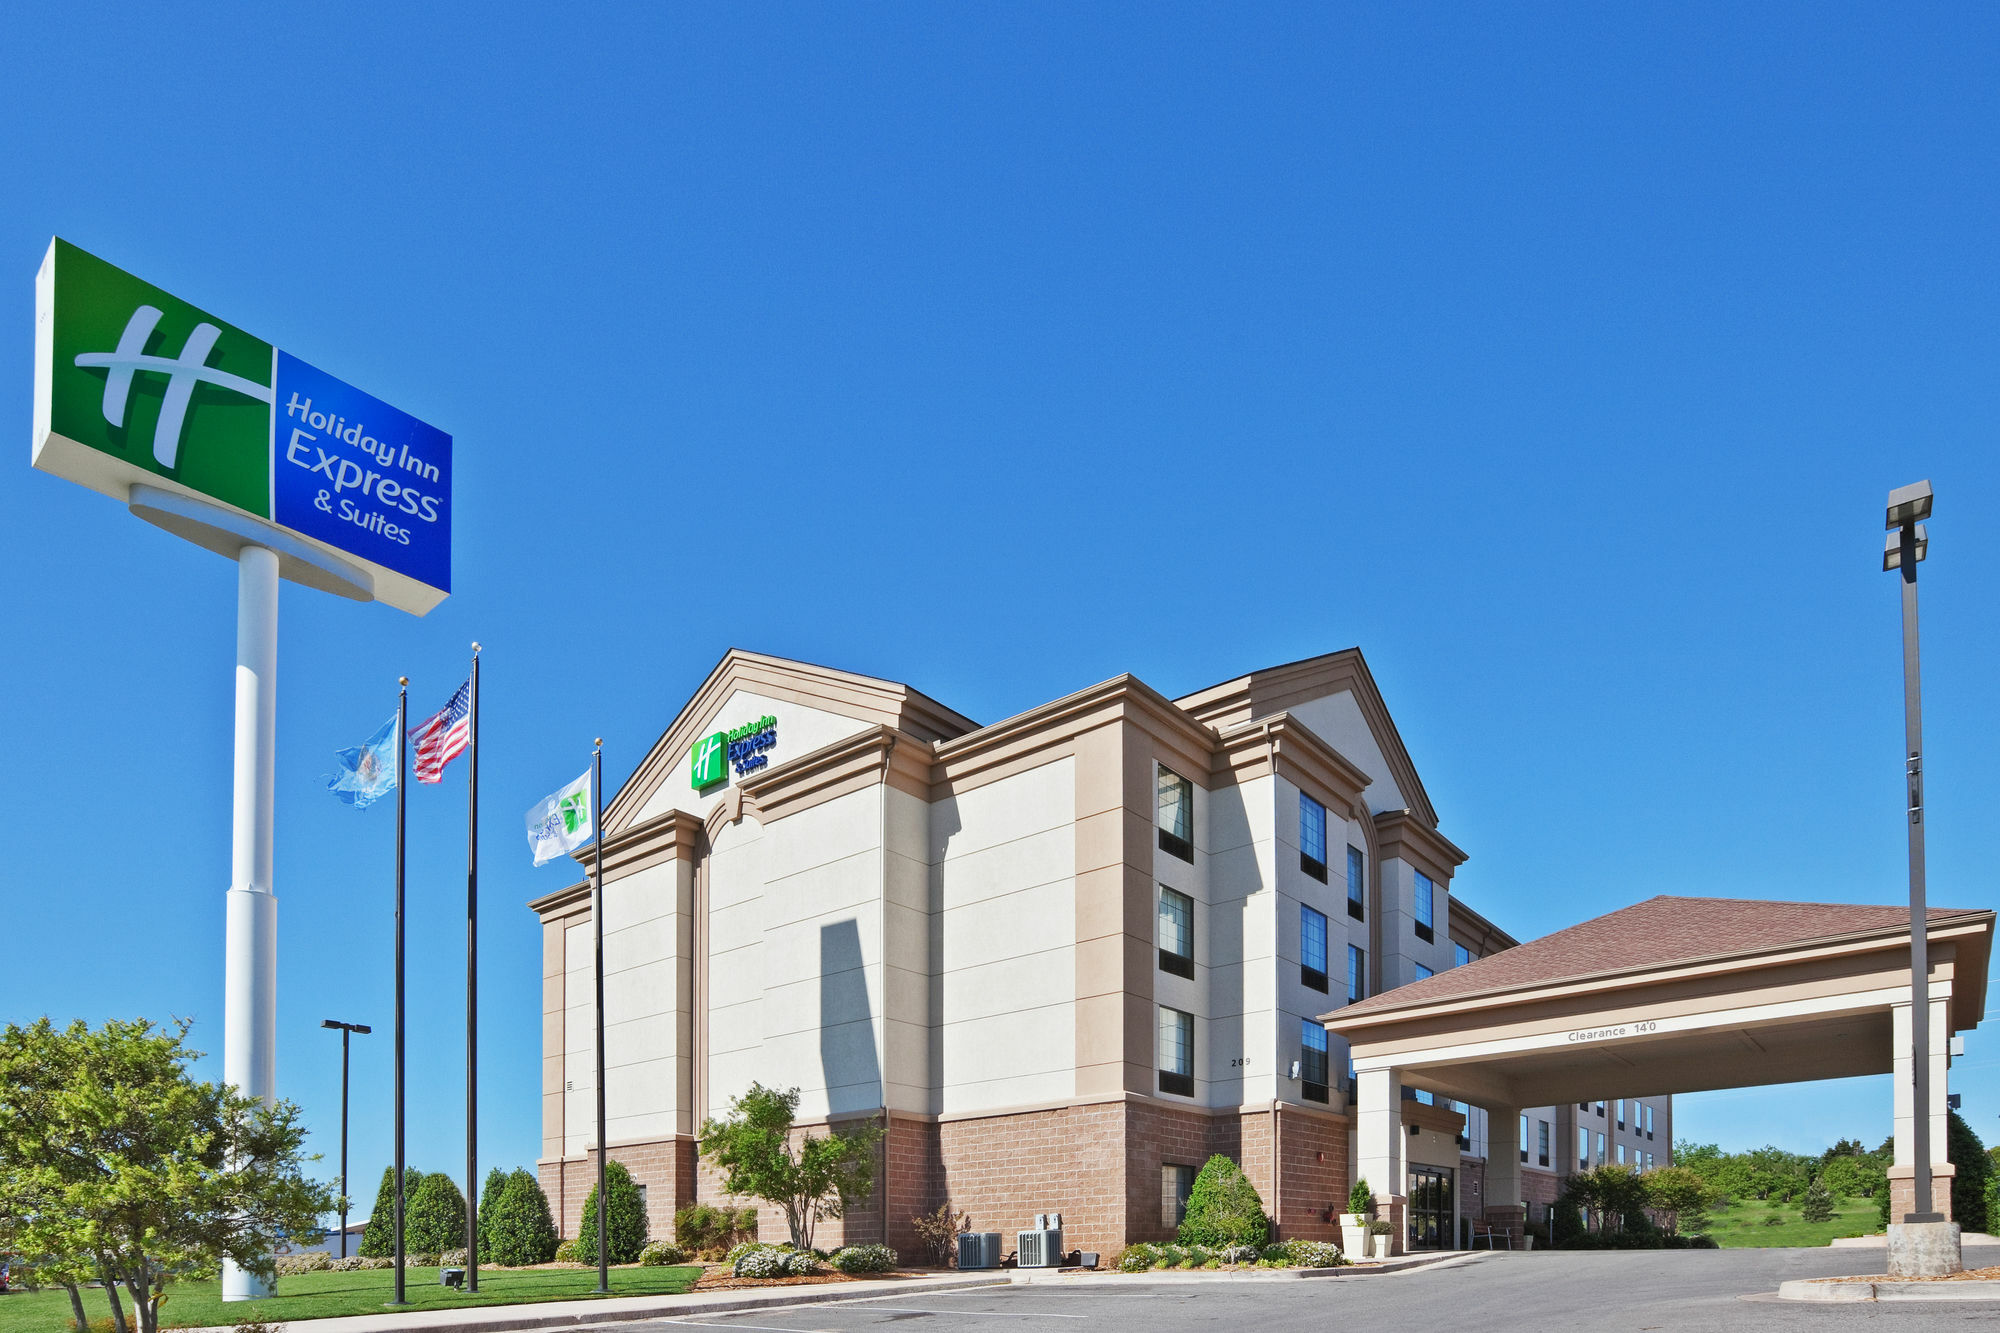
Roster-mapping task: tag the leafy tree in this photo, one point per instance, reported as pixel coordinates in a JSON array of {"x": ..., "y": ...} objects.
[
  {"x": 1968, "y": 1187},
  {"x": 378, "y": 1238},
  {"x": 113, "y": 1156},
  {"x": 434, "y": 1216},
  {"x": 1223, "y": 1208},
  {"x": 1681, "y": 1194},
  {"x": 1818, "y": 1205},
  {"x": 489, "y": 1199},
  {"x": 520, "y": 1229},
  {"x": 1616, "y": 1192},
  {"x": 1854, "y": 1176},
  {"x": 625, "y": 1224},
  {"x": 819, "y": 1178},
  {"x": 1843, "y": 1148}
]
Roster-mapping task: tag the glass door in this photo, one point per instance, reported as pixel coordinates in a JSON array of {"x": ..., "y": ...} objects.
[{"x": 1431, "y": 1212}]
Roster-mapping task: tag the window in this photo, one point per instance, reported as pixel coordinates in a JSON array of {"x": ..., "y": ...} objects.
[
  {"x": 1600, "y": 1148},
  {"x": 1600, "y": 1108},
  {"x": 1524, "y": 1138},
  {"x": 1176, "y": 815},
  {"x": 1618, "y": 1149},
  {"x": 1312, "y": 1061},
  {"x": 1176, "y": 932},
  {"x": 1312, "y": 837},
  {"x": 1176, "y": 1052},
  {"x": 1460, "y": 955},
  {"x": 1426, "y": 891},
  {"x": 1357, "y": 974},
  {"x": 1542, "y": 1144},
  {"x": 1357, "y": 882},
  {"x": 1312, "y": 948},
  {"x": 1649, "y": 1121},
  {"x": 1422, "y": 971},
  {"x": 1176, "y": 1183},
  {"x": 1619, "y": 1107},
  {"x": 1582, "y": 1149}
]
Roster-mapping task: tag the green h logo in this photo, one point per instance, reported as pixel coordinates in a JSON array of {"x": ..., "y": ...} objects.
[{"x": 708, "y": 761}]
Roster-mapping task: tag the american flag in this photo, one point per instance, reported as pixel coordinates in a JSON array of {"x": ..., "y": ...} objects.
[{"x": 440, "y": 740}]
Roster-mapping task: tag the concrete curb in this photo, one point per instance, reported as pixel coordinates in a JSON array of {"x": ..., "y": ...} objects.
[
  {"x": 621, "y": 1309},
  {"x": 1383, "y": 1268},
  {"x": 1822, "y": 1290}
]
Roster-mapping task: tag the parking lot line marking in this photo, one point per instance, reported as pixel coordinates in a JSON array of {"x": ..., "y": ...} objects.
[
  {"x": 760, "y": 1328},
  {"x": 997, "y": 1314}
]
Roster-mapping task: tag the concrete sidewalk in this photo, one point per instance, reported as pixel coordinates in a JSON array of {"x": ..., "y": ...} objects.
[{"x": 617, "y": 1309}]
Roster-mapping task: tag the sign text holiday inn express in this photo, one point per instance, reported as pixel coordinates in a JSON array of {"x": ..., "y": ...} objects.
[{"x": 136, "y": 387}]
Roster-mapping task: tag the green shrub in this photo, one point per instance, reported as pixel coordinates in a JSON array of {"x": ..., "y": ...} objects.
[
  {"x": 489, "y": 1203},
  {"x": 1170, "y": 1255},
  {"x": 1775, "y": 1220},
  {"x": 1239, "y": 1254},
  {"x": 1315, "y": 1254},
  {"x": 762, "y": 1261},
  {"x": 660, "y": 1253},
  {"x": 1361, "y": 1199},
  {"x": 803, "y": 1263},
  {"x": 708, "y": 1231},
  {"x": 569, "y": 1252},
  {"x": 1974, "y": 1167},
  {"x": 434, "y": 1217},
  {"x": 520, "y": 1229},
  {"x": 1275, "y": 1254},
  {"x": 420, "y": 1259},
  {"x": 378, "y": 1238},
  {"x": 1223, "y": 1208},
  {"x": 864, "y": 1259},
  {"x": 742, "y": 1248},
  {"x": 1136, "y": 1258},
  {"x": 1818, "y": 1205},
  {"x": 626, "y": 1220}
]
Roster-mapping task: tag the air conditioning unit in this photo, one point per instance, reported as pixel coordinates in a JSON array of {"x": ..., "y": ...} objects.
[
  {"x": 978, "y": 1249},
  {"x": 1039, "y": 1249}
]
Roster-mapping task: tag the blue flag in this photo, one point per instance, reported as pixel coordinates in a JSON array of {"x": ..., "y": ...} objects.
[{"x": 367, "y": 771}]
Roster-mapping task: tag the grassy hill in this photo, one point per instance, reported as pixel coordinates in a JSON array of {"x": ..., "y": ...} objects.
[{"x": 1747, "y": 1225}]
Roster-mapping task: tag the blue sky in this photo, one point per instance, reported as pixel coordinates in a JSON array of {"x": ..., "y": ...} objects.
[{"x": 1560, "y": 357}]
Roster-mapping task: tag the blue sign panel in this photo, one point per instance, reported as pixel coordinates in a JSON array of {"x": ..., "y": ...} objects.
[{"x": 359, "y": 475}]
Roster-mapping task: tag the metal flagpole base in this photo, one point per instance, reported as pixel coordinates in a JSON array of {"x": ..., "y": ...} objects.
[{"x": 250, "y": 978}]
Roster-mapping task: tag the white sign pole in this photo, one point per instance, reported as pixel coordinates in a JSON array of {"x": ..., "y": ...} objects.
[{"x": 250, "y": 984}]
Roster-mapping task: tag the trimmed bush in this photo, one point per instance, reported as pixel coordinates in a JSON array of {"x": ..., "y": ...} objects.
[
  {"x": 434, "y": 1216},
  {"x": 661, "y": 1253},
  {"x": 741, "y": 1248},
  {"x": 1223, "y": 1208},
  {"x": 420, "y": 1259},
  {"x": 710, "y": 1232},
  {"x": 763, "y": 1261},
  {"x": 317, "y": 1261},
  {"x": 521, "y": 1230},
  {"x": 489, "y": 1203},
  {"x": 864, "y": 1259},
  {"x": 803, "y": 1263},
  {"x": 569, "y": 1252},
  {"x": 457, "y": 1258},
  {"x": 1239, "y": 1254},
  {"x": 626, "y": 1221},
  {"x": 1315, "y": 1254},
  {"x": 1361, "y": 1199},
  {"x": 378, "y": 1238},
  {"x": 1136, "y": 1258}
]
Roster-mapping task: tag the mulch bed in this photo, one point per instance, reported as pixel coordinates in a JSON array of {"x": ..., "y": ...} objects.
[
  {"x": 1969, "y": 1275},
  {"x": 719, "y": 1278}
]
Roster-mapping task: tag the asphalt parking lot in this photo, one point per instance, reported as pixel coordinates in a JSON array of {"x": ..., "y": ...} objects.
[{"x": 1502, "y": 1293}]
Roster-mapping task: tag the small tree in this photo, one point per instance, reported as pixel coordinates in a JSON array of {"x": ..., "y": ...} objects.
[
  {"x": 489, "y": 1199},
  {"x": 1681, "y": 1195},
  {"x": 1223, "y": 1208},
  {"x": 821, "y": 1178},
  {"x": 1361, "y": 1199},
  {"x": 434, "y": 1220},
  {"x": 520, "y": 1229},
  {"x": 625, "y": 1224},
  {"x": 1968, "y": 1187},
  {"x": 1818, "y": 1203},
  {"x": 378, "y": 1238},
  {"x": 938, "y": 1233}
]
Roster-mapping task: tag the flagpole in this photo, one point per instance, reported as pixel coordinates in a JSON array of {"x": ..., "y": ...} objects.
[
  {"x": 472, "y": 991},
  {"x": 597, "y": 926},
  {"x": 402, "y": 792}
]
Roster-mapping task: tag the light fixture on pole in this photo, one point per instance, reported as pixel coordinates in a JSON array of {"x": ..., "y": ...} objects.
[
  {"x": 1905, "y": 548},
  {"x": 346, "y": 1030}
]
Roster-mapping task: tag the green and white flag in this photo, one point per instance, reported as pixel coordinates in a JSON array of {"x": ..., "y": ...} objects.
[{"x": 561, "y": 823}]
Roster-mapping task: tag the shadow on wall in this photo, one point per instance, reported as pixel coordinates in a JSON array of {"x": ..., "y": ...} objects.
[{"x": 848, "y": 1062}]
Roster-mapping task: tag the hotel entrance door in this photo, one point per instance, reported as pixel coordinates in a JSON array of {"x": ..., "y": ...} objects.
[{"x": 1431, "y": 1213}]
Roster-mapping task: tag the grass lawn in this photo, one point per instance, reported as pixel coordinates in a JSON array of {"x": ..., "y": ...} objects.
[
  {"x": 318, "y": 1295},
  {"x": 1744, "y": 1226}
]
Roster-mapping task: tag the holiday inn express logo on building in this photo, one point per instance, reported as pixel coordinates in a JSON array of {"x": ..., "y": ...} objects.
[
  {"x": 136, "y": 387},
  {"x": 707, "y": 762},
  {"x": 746, "y": 748}
]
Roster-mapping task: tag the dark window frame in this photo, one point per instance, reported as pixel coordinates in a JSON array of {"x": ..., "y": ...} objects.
[
  {"x": 1310, "y": 864},
  {"x": 1314, "y": 978},
  {"x": 1175, "y": 844},
  {"x": 1357, "y": 882},
  {"x": 1171, "y": 962}
]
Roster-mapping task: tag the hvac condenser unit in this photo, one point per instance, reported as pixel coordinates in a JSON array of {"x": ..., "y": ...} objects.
[
  {"x": 978, "y": 1249},
  {"x": 1039, "y": 1249}
]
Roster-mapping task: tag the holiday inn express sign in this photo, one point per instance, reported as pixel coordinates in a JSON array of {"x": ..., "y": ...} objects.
[{"x": 147, "y": 398}]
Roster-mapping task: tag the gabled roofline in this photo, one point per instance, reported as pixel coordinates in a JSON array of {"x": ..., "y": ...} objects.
[
  {"x": 1269, "y": 690},
  {"x": 891, "y": 702}
]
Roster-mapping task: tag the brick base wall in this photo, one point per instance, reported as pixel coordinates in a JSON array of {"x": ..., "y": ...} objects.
[
  {"x": 1903, "y": 1191},
  {"x": 666, "y": 1169}
]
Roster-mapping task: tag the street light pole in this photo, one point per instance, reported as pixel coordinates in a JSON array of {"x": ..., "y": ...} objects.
[
  {"x": 1901, "y": 554},
  {"x": 346, "y": 1030}
]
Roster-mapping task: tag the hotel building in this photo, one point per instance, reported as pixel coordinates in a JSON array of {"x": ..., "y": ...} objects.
[{"x": 1063, "y": 957}]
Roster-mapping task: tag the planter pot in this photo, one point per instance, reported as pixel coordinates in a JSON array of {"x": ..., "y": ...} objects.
[
  {"x": 1378, "y": 1246},
  {"x": 1354, "y": 1240}
]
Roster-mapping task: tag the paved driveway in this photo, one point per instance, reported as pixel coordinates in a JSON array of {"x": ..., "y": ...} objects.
[{"x": 1502, "y": 1293}]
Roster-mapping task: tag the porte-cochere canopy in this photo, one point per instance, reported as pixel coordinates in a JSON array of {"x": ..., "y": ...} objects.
[{"x": 1667, "y": 996}]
